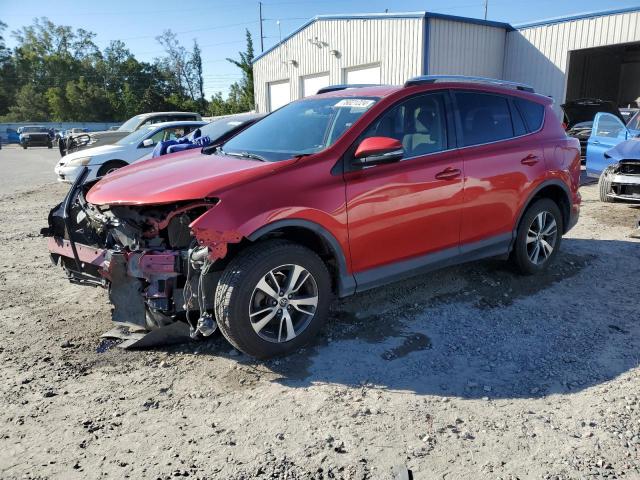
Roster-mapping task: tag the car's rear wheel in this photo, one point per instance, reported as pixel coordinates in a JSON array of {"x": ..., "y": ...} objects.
[
  {"x": 538, "y": 238},
  {"x": 604, "y": 185},
  {"x": 24, "y": 145},
  {"x": 110, "y": 166},
  {"x": 272, "y": 298}
]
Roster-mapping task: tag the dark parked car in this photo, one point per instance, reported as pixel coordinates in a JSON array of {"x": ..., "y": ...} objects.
[
  {"x": 578, "y": 118},
  {"x": 35, "y": 135}
]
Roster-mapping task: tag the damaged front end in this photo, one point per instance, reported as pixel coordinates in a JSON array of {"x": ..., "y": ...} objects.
[
  {"x": 156, "y": 271},
  {"x": 625, "y": 181}
]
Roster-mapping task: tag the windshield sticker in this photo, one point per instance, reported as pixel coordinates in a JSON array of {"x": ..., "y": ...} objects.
[{"x": 355, "y": 103}]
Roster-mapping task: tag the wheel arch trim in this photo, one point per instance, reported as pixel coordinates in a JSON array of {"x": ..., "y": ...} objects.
[
  {"x": 536, "y": 191},
  {"x": 346, "y": 283}
]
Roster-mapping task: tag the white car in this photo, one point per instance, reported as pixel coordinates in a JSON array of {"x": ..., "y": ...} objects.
[{"x": 107, "y": 158}]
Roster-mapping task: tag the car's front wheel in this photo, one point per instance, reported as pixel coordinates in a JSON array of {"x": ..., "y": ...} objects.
[
  {"x": 272, "y": 298},
  {"x": 538, "y": 238},
  {"x": 604, "y": 185}
]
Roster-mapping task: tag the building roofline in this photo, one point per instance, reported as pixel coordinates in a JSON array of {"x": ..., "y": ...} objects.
[
  {"x": 579, "y": 16},
  {"x": 376, "y": 16},
  {"x": 426, "y": 15},
  {"x": 477, "y": 21}
]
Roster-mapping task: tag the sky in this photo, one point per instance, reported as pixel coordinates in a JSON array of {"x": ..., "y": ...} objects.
[{"x": 219, "y": 25}]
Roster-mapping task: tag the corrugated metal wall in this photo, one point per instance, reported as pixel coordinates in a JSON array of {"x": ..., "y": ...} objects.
[
  {"x": 539, "y": 55},
  {"x": 457, "y": 48},
  {"x": 396, "y": 44}
]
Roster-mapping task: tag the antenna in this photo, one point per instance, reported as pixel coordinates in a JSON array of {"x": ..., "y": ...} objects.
[{"x": 486, "y": 8}]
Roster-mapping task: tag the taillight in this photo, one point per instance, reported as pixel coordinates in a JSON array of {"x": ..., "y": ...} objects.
[{"x": 564, "y": 126}]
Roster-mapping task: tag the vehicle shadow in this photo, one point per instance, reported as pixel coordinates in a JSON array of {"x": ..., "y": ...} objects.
[{"x": 480, "y": 330}]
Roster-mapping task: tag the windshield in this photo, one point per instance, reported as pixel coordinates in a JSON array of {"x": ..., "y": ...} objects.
[
  {"x": 219, "y": 128},
  {"x": 634, "y": 123},
  {"x": 131, "y": 124},
  {"x": 136, "y": 137},
  {"x": 299, "y": 128}
]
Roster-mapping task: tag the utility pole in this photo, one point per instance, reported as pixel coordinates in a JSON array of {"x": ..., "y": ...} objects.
[
  {"x": 261, "y": 20},
  {"x": 486, "y": 7}
]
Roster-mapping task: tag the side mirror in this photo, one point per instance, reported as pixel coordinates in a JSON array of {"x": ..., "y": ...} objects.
[
  {"x": 147, "y": 142},
  {"x": 378, "y": 150}
]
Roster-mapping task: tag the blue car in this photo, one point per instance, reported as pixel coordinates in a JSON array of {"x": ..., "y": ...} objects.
[
  {"x": 620, "y": 179},
  {"x": 607, "y": 132}
]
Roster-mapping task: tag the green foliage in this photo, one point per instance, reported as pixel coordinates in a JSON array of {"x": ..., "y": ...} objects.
[
  {"x": 240, "y": 97},
  {"x": 58, "y": 73}
]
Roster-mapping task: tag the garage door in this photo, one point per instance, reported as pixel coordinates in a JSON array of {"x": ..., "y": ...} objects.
[
  {"x": 279, "y": 95},
  {"x": 313, "y": 83},
  {"x": 369, "y": 74}
]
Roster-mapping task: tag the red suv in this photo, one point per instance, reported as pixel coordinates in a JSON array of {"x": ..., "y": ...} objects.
[{"x": 333, "y": 194}]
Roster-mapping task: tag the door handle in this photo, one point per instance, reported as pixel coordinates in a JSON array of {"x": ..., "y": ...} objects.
[
  {"x": 530, "y": 160},
  {"x": 448, "y": 173}
]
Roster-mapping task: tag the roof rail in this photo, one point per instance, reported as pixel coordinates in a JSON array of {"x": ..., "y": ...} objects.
[
  {"x": 464, "y": 79},
  {"x": 345, "y": 86}
]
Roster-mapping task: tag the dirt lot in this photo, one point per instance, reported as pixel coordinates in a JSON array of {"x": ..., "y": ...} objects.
[{"x": 470, "y": 372}]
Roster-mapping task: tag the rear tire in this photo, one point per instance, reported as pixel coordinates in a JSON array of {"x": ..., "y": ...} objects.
[
  {"x": 259, "y": 309},
  {"x": 24, "y": 146},
  {"x": 539, "y": 237},
  {"x": 604, "y": 185}
]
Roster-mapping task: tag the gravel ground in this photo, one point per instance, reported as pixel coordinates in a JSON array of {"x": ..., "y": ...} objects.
[{"x": 469, "y": 372}]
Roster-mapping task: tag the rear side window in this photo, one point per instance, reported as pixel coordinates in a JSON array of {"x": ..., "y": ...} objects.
[
  {"x": 532, "y": 112},
  {"x": 485, "y": 118}
]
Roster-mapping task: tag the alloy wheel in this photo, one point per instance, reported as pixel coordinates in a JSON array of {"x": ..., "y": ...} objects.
[
  {"x": 541, "y": 237},
  {"x": 283, "y": 303}
]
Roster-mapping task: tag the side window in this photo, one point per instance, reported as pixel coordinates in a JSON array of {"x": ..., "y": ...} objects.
[
  {"x": 484, "y": 117},
  {"x": 609, "y": 126},
  {"x": 419, "y": 123},
  {"x": 532, "y": 112},
  {"x": 171, "y": 133}
]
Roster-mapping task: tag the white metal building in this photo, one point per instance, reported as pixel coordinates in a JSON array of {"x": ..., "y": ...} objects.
[{"x": 595, "y": 54}]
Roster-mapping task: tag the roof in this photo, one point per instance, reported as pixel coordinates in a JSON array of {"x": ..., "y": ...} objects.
[
  {"x": 579, "y": 16},
  {"x": 508, "y": 27},
  {"x": 383, "y": 16},
  {"x": 176, "y": 123},
  {"x": 151, "y": 114}
]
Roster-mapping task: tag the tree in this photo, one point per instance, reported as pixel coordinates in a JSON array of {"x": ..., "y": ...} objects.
[
  {"x": 30, "y": 105},
  {"x": 7, "y": 74},
  {"x": 243, "y": 90}
]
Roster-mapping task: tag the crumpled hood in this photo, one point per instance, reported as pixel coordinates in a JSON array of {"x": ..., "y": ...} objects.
[
  {"x": 627, "y": 150},
  {"x": 178, "y": 177}
]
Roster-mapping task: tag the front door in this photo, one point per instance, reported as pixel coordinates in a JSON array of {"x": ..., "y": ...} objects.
[
  {"x": 405, "y": 210},
  {"x": 607, "y": 132}
]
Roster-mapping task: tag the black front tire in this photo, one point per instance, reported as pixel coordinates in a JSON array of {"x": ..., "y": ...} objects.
[
  {"x": 24, "y": 145},
  {"x": 519, "y": 254},
  {"x": 110, "y": 166},
  {"x": 604, "y": 185},
  {"x": 236, "y": 286}
]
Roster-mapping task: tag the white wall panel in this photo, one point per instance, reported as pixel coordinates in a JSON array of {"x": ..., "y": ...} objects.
[
  {"x": 539, "y": 55},
  {"x": 396, "y": 44},
  {"x": 457, "y": 48}
]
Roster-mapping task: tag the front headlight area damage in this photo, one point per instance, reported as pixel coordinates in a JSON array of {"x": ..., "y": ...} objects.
[{"x": 156, "y": 271}]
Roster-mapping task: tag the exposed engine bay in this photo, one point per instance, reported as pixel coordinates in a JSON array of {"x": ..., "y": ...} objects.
[
  {"x": 157, "y": 272},
  {"x": 625, "y": 180}
]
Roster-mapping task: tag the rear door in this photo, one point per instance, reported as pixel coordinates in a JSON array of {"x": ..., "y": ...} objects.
[
  {"x": 502, "y": 158},
  {"x": 607, "y": 132}
]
